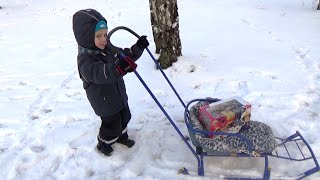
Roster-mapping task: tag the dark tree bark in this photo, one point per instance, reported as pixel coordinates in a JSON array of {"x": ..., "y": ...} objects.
[
  {"x": 318, "y": 5},
  {"x": 165, "y": 28}
]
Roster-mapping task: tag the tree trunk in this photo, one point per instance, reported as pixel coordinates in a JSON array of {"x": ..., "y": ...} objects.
[
  {"x": 318, "y": 6},
  {"x": 165, "y": 28}
]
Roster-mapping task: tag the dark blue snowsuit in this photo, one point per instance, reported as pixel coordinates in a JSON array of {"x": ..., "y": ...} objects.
[{"x": 104, "y": 85}]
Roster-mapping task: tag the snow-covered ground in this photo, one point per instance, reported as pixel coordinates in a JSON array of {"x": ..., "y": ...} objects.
[{"x": 265, "y": 51}]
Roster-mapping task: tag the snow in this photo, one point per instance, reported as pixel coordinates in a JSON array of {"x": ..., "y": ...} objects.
[{"x": 265, "y": 51}]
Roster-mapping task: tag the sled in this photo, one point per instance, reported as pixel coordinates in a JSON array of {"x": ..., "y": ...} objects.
[{"x": 285, "y": 146}]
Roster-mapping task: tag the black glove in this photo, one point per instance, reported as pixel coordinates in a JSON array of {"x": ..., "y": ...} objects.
[
  {"x": 126, "y": 65},
  {"x": 127, "y": 52},
  {"x": 142, "y": 42}
]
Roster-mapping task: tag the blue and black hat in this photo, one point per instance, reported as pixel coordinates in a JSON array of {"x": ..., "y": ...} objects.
[
  {"x": 85, "y": 23},
  {"x": 102, "y": 24}
]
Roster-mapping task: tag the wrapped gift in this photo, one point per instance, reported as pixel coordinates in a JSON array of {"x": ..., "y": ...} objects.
[{"x": 230, "y": 115}]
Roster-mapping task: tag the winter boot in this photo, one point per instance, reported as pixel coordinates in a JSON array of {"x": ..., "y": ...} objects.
[
  {"x": 104, "y": 148},
  {"x": 126, "y": 141}
]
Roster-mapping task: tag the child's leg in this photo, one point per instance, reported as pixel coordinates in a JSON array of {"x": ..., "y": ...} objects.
[
  {"x": 110, "y": 128},
  {"x": 110, "y": 131},
  {"x": 125, "y": 118}
]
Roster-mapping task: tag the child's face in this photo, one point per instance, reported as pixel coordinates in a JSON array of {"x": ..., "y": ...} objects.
[{"x": 100, "y": 38}]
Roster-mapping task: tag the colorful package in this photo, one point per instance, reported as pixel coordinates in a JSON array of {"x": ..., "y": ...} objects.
[{"x": 230, "y": 115}]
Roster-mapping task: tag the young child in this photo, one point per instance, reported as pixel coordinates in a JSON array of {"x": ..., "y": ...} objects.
[{"x": 102, "y": 70}]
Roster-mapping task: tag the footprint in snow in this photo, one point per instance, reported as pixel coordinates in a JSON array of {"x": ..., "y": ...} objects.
[
  {"x": 301, "y": 52},
  {"x": 46, "y": 110},
  {"x": 274, "y": 77},
  {"x": 38, "y": 148},
  {"x": 242, "y": 88},
  {"x": 90, "y": 173},
  {"x": 246, "y": 21},
  {"x": 258, "y": 74},
  {"x": 192, "y": 68},
  {"x": 75, "y": 95},
  {"x": 84, "y": 138},
  {"x": 22, "y": 83}
]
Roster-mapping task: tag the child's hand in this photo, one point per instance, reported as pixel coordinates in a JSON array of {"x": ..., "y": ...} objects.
[
  {"x": 126, "y": 65},
  {"x": 142, "y": 42},
  {"x": 127, "y": 52}
]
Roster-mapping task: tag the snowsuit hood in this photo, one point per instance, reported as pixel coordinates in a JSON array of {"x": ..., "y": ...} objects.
[{"x": 84, "y": 24}]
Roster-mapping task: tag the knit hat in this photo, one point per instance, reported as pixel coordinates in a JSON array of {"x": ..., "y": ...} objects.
[{"x": 101, "y": 25}]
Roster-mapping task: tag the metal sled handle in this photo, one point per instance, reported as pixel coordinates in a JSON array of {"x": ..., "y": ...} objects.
[
  {"x": 153, "y": 58},
  {"x": 148, "y": 89}
]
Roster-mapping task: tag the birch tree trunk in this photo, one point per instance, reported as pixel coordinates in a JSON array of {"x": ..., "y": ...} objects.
[{"x": 165, "y": 28}]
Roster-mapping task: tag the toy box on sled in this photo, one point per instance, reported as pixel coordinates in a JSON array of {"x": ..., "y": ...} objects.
[{"x": 230, "y": 115}]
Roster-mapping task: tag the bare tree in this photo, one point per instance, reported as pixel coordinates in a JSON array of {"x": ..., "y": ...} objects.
[{"x": 165, "y": 28}]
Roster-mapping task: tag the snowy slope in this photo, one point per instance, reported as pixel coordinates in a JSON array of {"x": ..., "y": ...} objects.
[{"x": 266, "y": 52}]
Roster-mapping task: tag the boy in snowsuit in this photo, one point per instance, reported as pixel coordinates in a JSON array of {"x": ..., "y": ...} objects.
[{"x": 102, "y": 70}]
